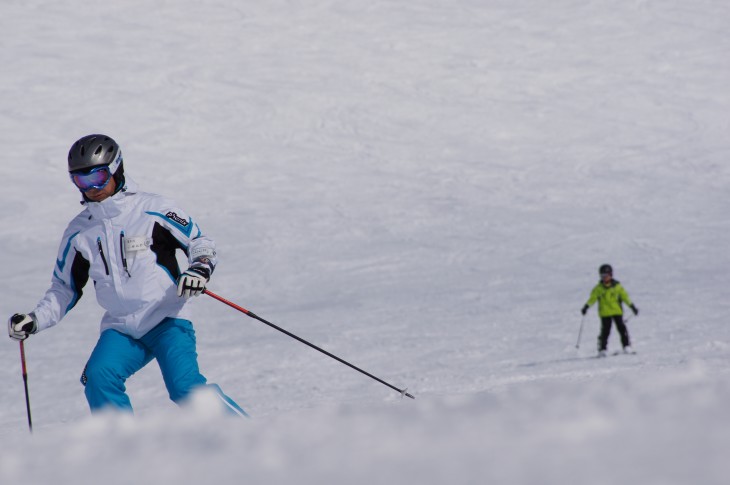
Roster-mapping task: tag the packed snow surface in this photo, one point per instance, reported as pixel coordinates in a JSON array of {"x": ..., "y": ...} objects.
[{"x": 423, "y": 188}]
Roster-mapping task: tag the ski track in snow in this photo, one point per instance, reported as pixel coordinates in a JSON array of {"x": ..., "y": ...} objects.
[{"x": 425, "y": 189}]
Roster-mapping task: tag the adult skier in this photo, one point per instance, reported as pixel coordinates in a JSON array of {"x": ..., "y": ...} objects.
[
  {"x": 610, "y": 296},
  {"x": 125, "y": 240}
]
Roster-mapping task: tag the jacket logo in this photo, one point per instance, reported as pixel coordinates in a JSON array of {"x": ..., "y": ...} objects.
[{"x": 171, "y": 215}]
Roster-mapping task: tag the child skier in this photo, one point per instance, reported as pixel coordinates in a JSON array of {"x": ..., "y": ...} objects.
[{"x": 610, "y": 296}]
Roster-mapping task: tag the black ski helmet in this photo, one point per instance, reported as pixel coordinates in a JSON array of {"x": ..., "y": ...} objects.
[
  {"x": 605, "y": 269},
  {"x": 92, "y": 151}
]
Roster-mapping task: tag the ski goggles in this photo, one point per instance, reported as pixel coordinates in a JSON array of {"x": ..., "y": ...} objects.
[{"x": 97, "y": 177}]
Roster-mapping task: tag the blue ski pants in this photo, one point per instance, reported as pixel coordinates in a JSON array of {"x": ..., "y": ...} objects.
[{"x": 117, "y": 357}]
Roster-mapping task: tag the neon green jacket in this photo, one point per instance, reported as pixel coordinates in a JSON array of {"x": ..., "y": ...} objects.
[{"x": 610, "y": 299}]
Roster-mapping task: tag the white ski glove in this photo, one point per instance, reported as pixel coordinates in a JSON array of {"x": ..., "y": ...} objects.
[
  {"x": 192, "y": 281},
  {"x": 20, "y": 326}
]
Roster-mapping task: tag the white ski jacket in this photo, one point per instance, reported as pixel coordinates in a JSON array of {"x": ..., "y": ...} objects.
[{"x": 126, "y": 244}]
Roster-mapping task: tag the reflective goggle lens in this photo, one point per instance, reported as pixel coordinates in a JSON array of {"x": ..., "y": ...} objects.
[{"x": 97, "y": 178}]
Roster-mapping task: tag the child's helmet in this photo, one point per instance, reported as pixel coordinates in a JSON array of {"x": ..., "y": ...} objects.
[{"x": 605, "y": 269}]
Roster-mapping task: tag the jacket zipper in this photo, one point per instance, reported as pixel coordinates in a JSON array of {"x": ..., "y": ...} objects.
[
  {"x": 101, "y": 252},
  {"x": 123, "y": 253}
]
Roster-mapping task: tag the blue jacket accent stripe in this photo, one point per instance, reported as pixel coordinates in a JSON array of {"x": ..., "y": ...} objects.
[
  {"x": 62, "y": 262},
  {"x": 185, "y": 227}
]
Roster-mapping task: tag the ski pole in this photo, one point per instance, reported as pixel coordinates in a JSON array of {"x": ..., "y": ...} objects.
[
  {"x": 25, "y": 383},
  {"x": 580, "y": 332},
  {"x": 254, "y": 316}
]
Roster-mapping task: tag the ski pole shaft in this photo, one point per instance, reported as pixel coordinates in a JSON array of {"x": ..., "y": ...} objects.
[
  {"x": 25, "y": 383},
  {"x": 295, "y": 337},
  {"x": 580, "y": 332}
]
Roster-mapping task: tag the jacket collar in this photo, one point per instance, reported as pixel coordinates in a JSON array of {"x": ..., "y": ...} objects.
[{"x": 112, "y": 206}]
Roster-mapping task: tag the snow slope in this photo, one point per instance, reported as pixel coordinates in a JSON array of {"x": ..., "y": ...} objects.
[{"x": 425, "y": 189}]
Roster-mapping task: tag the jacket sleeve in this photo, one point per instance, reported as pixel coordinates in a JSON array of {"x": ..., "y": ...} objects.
[
  {"x": 70, "y": 274},
  {"x": 199, "y": 248},
  {"x": 625, "y": 296}
]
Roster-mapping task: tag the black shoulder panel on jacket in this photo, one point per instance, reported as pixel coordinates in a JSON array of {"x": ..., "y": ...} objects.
[
  {"x": 164, "y": 246},
  {"x": 79, "y": 276}
]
